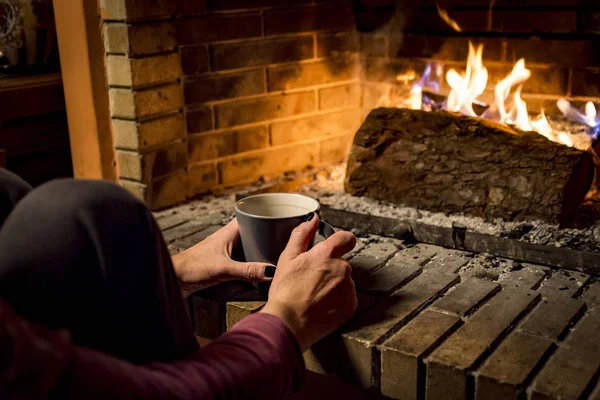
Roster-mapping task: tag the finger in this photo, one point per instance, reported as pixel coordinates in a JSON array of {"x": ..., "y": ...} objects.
[
  {"x": 300, "y": 239},
  {"x": 338, "y": 244},
  {"x": 229, "y": 231},
  {"x": 250, "y": 271}
]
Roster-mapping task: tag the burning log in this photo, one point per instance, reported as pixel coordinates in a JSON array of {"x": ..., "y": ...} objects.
[{"x": 442, "y": 161}]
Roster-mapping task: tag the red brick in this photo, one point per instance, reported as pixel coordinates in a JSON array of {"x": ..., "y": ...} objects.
[
  {"x": 585, "y": 82},
  {"x": 448, "y": 260},
  {"x": 362, "y": 335},
  {"x": 504, "y": 373},
  {"x": 345, "y": 96},
  {"x": 194, "y": 60},
  {"x": 238, "y": 4},
  {"x": 191, "y": 6},
  {"x": 561, "y": 52},
  {"x": 529, "y": 277},
  {"x": 213, "y": 27},
  {"x": 563, "y": 284},
  {"x": 189, "y": 241},
  {"x": 448, "y": 366},
  {"x": 248, "y": 167},
  {"x": 223, "y": 86},
  {"x": 335, "y": 150},
  {"x": 592, "y": 295},
  {"x": 589, "y": 20},
  {"x": 164, "y": 161},
  {"x": 393, "y": 275},
  {"x": 336, "y": 17},
  {"x": 168, "y": 190},
  {"x": 371, "y": 257},
  {"x": 565, "y": 375},
  {"x": 192, "y": 226},
  {"x": 336, "y": 44},
  {"x": 584, "y": 334},
  {"x": 401, "y": 355},
  {"x": 261, "y": 52},
  {"x": 199, "y": 119},
  {"x": 135, "y": 10},
  {"x": 220, "y": 144},
  {"x": 467, "y": 296},
  {"x": 264, "y": 108},
  {"x": 202, "y": 177},
  {"x": 373, "y": 45},
  {"x": 551, "y": 319},
  {"x": 442, "y": 48},
  {"x": 314, "y": 73},
  {"x": 521, "y": 21},
  {"x": 547, "y": 81},
  {"x": 315, "y": 126}
]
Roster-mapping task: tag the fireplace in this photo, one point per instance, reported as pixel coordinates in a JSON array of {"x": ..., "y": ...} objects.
[
  {"x": 208, "y": 95},
  {"x": 218, "y": 99}
]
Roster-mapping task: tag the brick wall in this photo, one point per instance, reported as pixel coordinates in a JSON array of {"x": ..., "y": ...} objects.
[
  {"x": 268, "y": 87},
  {"x": 209, "y": 94},
  {"x": 557, "y": 38}
]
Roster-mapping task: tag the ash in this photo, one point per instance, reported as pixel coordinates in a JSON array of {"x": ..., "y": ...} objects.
[{"x": 328, "y": 189}]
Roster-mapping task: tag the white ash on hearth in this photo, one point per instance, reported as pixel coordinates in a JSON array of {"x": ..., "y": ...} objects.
[{"x": 328, "y": 189}]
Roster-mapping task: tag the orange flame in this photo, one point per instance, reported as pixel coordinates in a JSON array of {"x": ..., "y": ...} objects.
[{"x": 466, "y": 88}]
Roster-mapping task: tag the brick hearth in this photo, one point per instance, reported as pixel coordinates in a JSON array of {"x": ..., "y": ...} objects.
[{"x": 433, "y": 323}]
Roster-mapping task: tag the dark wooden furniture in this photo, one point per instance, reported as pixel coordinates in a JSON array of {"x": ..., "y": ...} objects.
[{"x": 33, "y": 127}]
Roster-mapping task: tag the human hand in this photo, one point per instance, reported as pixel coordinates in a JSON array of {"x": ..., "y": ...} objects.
[
  {"x": 312, "y": 291},
  {"x": 209, "y": 262}
]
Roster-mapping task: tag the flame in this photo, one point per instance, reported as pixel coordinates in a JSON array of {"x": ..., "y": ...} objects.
[
  {"x": 589, "y": 117},
  {"x": 541, "y": 126},
  {"x": 416, "y": 97},
  {"x": 590, "y": 111},
  {"x": 517, "y": 76},
  {"x": 444, "y": 15},
  {"x": 466, "y": 88},
  {"x": 521, "y": 119}
]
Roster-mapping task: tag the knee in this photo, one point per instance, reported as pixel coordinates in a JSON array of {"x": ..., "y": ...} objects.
[{"x": 71, "y": 197}]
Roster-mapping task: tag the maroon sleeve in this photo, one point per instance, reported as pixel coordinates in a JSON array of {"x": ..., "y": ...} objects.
[{"x": 259, "y": 358}]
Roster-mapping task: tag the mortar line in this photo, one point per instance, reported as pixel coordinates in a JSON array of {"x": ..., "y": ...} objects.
[
  {"x": 376, "y": 353},
  {"x": 510, "y": 328},
  {"x": 422, "y": 367}
]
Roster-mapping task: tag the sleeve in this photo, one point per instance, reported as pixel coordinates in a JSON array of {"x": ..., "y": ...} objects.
[{"x": 258, "y": 358}]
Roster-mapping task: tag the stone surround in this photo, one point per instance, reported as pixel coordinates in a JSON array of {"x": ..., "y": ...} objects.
[{"x": 432, "y": 323}]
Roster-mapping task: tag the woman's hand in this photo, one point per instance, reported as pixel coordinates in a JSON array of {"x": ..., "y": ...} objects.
[
  {"x": 209, "y": 262},
  {"x": 313, "y": 292}
]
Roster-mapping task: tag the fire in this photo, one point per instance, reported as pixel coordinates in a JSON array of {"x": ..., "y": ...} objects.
[
  {"x": 508, "y": 106},
  {"x": 466, "y": 88}
]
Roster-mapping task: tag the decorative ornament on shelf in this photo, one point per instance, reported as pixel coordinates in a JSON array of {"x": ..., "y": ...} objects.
[{"x": 27, "y": 36}]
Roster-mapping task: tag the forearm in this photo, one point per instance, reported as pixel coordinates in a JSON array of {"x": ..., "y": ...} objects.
[{"x": 257, "y": 359}]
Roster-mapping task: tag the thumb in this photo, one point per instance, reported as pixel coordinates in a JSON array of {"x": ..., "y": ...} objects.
[
  {"x": 250, "y": 271},
  {"x": 300, "y": 238}
]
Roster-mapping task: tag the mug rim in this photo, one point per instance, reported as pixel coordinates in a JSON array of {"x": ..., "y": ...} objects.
[{"x": 237, "y": 209}]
